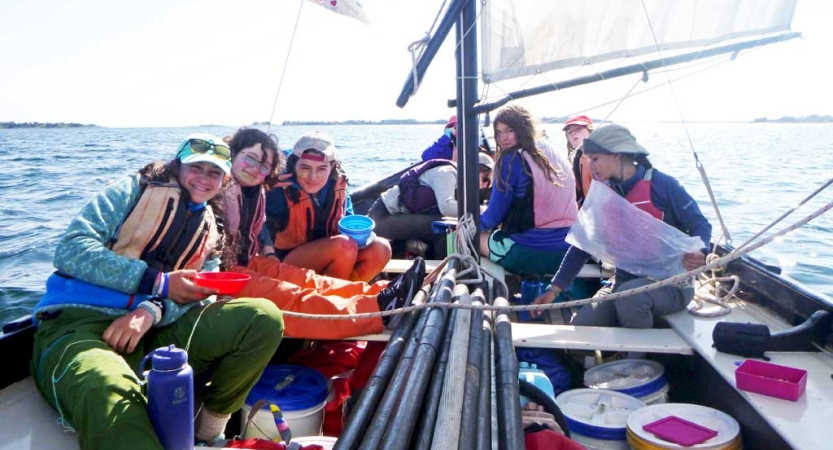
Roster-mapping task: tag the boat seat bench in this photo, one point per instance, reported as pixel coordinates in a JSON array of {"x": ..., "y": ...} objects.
[{"x": 797, "y": 422}]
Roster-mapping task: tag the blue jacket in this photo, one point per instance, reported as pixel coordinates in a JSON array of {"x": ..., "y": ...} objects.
[
  {"x": 439, "y": 150},
  {"x": 681, "y": 212}
]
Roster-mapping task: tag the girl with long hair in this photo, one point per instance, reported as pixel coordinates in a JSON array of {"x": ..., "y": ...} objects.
[{"x": 533, "y": 199}]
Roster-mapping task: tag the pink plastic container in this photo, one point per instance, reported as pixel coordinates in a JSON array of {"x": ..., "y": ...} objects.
[{"x": 771, "y": 379}]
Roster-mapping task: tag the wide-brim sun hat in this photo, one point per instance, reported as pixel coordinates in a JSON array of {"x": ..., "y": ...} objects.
[
  {"x": 187, "y": 155},
  {"x": 452, "y": 122},
  {"x": 318, "y": 141},
  {"x": 613, "y": 139}
]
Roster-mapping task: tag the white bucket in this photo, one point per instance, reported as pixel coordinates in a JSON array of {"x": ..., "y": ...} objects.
[
  {"x": 599, "y": 444},
  {"x": 598, "y": 417},
  {"x": 306, "y": 422},
  {"x": 300, "y": 393},
  {"x": 640, "y": 378},
  {"x": 728, "y": 430}
]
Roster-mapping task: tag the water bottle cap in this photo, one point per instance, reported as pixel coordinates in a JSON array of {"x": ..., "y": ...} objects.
[{"x": 169, "y": 358}]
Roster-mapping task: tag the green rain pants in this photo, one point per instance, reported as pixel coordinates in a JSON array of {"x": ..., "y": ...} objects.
[{"x": 97, "y": 390}]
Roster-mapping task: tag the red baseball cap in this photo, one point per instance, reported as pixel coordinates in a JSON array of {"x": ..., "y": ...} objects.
[
  {"x": 578, "y": 120},
  {"x": 452, "y": 121}
]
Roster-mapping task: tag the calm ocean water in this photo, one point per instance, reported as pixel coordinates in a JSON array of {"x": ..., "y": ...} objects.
[{"x": 757, "y": 172}]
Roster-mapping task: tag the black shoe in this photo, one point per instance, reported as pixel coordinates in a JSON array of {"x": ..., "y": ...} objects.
[
  {"x": 418, "y": 269},
  {"x": 398, "y": 294}
]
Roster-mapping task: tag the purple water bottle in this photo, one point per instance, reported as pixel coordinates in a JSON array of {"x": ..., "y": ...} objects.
[
  {"x": 170, "y": 392},
  {"x": 530, "y": 289}
]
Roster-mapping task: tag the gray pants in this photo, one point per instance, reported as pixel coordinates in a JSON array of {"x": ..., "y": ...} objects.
[
  {"x": 401, "y": 226},
  {"x": 634, "y": 311}
]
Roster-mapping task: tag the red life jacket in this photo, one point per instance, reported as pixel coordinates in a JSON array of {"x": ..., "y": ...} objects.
[{"x": 640, "y": 196}]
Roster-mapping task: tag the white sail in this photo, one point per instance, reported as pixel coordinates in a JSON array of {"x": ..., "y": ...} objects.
[{"x": 525, "y": 37}]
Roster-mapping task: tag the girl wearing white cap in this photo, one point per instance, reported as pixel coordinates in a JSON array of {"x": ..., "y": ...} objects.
[
  {"x": 302, "y": 219},
  {"x": 124, "y": 286}
]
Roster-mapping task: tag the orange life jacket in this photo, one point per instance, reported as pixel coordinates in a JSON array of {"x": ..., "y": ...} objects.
[
  {"x": 154, "y": 230},
  {"x": 300, "y": 225}
]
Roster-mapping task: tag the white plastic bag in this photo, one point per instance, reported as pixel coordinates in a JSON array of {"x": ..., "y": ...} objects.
[{"x": 613, "y": 230}]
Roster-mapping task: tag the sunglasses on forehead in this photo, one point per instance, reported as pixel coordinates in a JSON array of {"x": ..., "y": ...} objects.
[{"x": 221, "y": 151}]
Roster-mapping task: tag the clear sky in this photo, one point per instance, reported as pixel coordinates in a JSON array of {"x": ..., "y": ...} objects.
[{"x": 192, "y": 62}]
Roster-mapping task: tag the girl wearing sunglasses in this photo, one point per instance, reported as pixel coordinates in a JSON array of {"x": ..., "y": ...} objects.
[
  {"x": 125, "y": 286},
  {"x": 255, "y": 169}
]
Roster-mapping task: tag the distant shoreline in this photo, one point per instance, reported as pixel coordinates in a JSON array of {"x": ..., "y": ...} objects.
[
  {"x": 360, "y": 122},
  {"x": 9, "y": 125},
  {"x": 814, "y": 118}
]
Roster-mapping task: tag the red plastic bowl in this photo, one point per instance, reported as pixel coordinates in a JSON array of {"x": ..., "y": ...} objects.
[{"x": 226, "y": 283}]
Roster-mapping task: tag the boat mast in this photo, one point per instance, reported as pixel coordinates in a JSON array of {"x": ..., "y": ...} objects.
[
  {"x": 468, "y": 172},
  {"x": 464, "y": 14}
]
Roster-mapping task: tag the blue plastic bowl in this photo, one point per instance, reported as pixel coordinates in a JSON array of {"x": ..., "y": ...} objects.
[{"x": 357, "y": 227}]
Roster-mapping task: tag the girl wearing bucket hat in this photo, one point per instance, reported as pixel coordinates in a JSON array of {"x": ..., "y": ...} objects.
[
  {"x": 616, "y": 157},
  {"x": 533, "y": 200},
  {"x": 576, "y": 130},
  {"x": 302, "y": 219},
  {"x": 124, "y": 286}
]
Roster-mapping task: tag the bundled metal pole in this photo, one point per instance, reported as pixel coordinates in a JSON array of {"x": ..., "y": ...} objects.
[
  {"x": 404, "y": 417},
  {"x": 484, "y": 418},
  {"x": 447, "y": 431},
  {"x": 510, "y": 425},
  {"x": 429, "y": 320},
  {"x": 365, "y": 407},
  {"x": 473, "y": 387},
  {"x": 431, "y": 402}
]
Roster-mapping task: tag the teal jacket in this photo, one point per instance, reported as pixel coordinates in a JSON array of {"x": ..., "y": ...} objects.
[{"x": 101, "y": 279}]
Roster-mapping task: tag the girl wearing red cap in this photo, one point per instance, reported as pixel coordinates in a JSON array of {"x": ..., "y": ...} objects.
[
  {"x": 577, "y": 129},
  {"x": 444, "y": 146}
]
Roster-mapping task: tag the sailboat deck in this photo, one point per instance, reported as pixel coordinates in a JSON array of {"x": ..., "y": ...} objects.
[{"x": 797, "y": 422}]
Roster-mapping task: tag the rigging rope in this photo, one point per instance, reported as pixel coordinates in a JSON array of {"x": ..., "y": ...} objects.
[
  {"x": 285, "y": 64},
  {"x": 790, "y": 211},
  {"x": 698, "y": 164},
  {"x": 419, "y": 46},
  {"x": 675, "y": 280}
]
